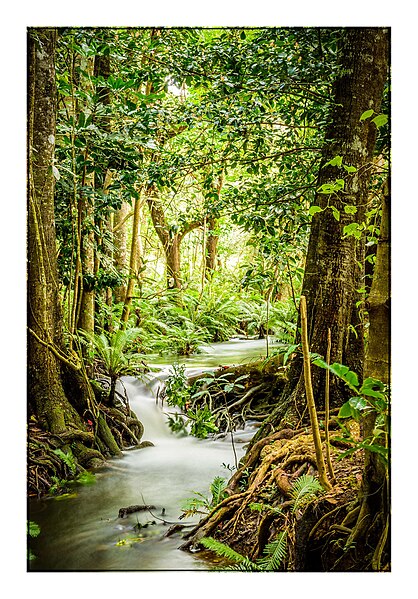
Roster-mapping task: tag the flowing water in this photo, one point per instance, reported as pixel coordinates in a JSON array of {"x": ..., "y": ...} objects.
[{"x": 82, "y": 532}]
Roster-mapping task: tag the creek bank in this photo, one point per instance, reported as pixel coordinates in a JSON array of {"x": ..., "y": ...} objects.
[
  {"x": 237, "y": 394},
  {"x": 260, "y": 504}
]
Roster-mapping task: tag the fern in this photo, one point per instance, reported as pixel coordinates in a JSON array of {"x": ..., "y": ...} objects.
[
  {"x": 274, "y": 554},
  {"x": 67, "y": 458},
  {"x": 217, "y": 489},
  {"x": 222, "y": 550},
  {"x": 303, "y": 490}
]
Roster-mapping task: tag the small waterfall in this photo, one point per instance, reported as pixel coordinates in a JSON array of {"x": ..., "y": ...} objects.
[
  {"x": 83, "y": 532},
  {"x": 143, "y": 396}
]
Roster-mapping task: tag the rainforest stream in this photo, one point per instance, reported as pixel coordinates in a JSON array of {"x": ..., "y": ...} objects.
[{"x": 82, "y": 532}]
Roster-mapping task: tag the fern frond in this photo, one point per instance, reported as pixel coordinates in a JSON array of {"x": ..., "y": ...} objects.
[
  {"x": 303, "y": 490},
  {"x": 274, "y": 554},
  {"x": 222, "y": 550},
  {"x": 217, "y": 489},
  {"x": 245, "y": 566}
]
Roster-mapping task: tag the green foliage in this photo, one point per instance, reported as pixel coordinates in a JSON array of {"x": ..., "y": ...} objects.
[
  {"x": 178, "y": 394},
  {"x": 68, "y": 459},
  {"x": 33, "y": 531},
  {"x": 113, "y": 351},
  {"x": 274, "y": 554},
  {"x": 202, "y": 504},
  {"x": 304, "y": 490},
  {"x": 176, "y": 389},
  {"x": 272, "y": 559},
  {"x": 370, "y": 396}
]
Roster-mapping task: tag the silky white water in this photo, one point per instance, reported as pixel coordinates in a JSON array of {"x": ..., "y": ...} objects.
[{"x": 83, "y": 532}]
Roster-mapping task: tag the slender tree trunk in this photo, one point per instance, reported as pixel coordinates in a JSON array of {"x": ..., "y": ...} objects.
[
  {"x": 212, "y": 240},
  {"x": 88, "y": 245},
  {"x": 120, "y": 238},
  {"x": 88, "y": 256},
  {"x": 133, "y": 260}
]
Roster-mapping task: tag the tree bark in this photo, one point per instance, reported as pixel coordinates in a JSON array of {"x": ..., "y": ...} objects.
[
  {"x": 373, "y": 519},
  {"x": 45, "y": 391},
  {"x": 133, "y": 259},
  {"x": 171, "y": 242},
  {"x": 332, "y": 273},
  {"x": 120, "y": 238}
]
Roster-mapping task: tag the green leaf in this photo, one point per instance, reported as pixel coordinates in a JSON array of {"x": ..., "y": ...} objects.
[
  {"x": 345, "y": 411},
  {"x": 350, "y": 210},
  {"x": 358, "y": 403},
  {"x": 314, "y": 209},
  {"x": 380, "y": 120},
  {"x": 320, "y": 362},
  {"x": 336, "y": 213},
  {"x": 221, "y": 549},
  {"x": 337, "y": 161},
  {"x": 366, "y": 115},
  {"x": 352, "y": 229},
  {"x": 350, "y": 169},
  {"x": 351, "y": 378}
]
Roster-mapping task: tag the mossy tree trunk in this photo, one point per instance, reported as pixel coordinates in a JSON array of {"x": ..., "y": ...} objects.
[
  {"x": 45, "y": 393},
  {"x": 58, "y": 392},
  {"x": 373, "y": 520},
  {"x": 332, "y": 272}
]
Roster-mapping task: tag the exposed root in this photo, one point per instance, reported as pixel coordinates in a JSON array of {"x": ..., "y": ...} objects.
[
  {"x": 102, "y": 432},
  {"x": 261, "y": 503}
]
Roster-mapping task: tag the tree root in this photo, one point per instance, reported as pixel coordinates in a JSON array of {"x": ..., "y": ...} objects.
[
  {"x": 93, "y": 435},
  {"x": 260, "y": 503}
]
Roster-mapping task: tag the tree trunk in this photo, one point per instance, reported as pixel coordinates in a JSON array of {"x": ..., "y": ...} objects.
[
  {"x": 133, "y": 260},
  {"x": 332, "y": 274},
  {"x": 211, "y": 247},
  {"x": 86, "y": 207},
  {"x": 120, "y": 238},
  {"x": 171, "y": 242},
  {"x": 372, "y": 527},
  {"x": 45, "y": 393},
  {"x": 212, "y": 235}
]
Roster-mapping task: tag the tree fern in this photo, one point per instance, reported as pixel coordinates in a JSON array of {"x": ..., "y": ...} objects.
[{"x": 303, "y": 490}]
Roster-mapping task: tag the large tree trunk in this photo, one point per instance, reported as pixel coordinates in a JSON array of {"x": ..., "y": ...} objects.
[
  {"x": 332, "y": 273},
  {"x": 45, "y": 393}
]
